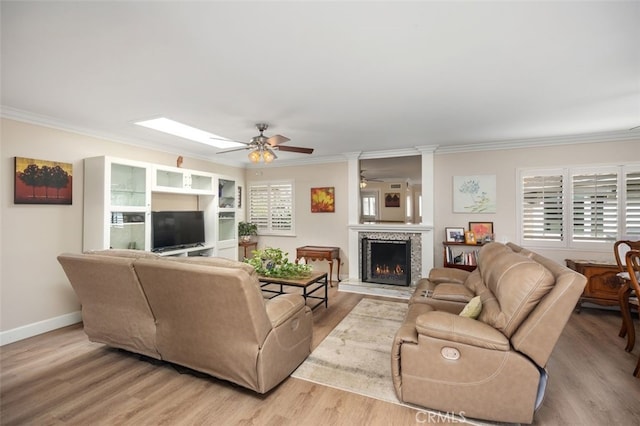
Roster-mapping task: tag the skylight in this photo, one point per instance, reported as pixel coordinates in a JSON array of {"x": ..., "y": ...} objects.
[{"x": 172, "y": 127}]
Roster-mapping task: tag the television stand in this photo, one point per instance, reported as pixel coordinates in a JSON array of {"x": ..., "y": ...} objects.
[{"x": 197, "y": 250}]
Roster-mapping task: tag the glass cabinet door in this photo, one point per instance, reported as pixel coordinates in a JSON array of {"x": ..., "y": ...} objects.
[
  {"x": 226, "y": 194},
  {"x": 128, "y": 185}
]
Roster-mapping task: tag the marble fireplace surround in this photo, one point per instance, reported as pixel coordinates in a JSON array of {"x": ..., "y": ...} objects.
[{"x": 421, "y": 256}]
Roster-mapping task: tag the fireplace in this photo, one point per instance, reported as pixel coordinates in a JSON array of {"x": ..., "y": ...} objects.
[{"x": 386, "y": 261}]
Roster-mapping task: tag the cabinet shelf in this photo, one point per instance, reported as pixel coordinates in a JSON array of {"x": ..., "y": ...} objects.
[{"x": 465, "y": 257}]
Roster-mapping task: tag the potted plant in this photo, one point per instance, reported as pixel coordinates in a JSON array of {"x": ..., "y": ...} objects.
[
  {"x": 273, "y": 262},
  {"x": 247, "y": 230}
]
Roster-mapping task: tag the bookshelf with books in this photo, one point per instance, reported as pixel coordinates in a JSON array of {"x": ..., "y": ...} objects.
[{"x": 460, "y": 255}]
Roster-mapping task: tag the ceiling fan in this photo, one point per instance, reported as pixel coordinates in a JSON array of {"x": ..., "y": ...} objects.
[
  {"x": 263, "y": 147},
  {"x": 364, "y": 180}
]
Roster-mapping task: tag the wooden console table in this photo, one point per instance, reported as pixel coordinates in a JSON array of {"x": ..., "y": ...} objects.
[
  {"x": 320, "y": 252},
  {"x": 245, "y": 245},
  {"x": 603, "y": 283}
]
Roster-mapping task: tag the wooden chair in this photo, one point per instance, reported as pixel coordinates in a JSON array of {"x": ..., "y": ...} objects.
[
  {"x": 620, "y": 249},
  {"x": 633, "y": 268}
]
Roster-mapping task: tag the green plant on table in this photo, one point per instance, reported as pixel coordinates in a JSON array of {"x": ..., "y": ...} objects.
[{"x": 273, "y": 262}]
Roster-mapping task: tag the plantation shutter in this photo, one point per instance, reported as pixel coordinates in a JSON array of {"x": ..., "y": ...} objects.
[
  {"x": 632, "y": 204},
  {"x": 271, "y": 206},
  {"x": 542, "y": 208},
  {"x": 281, "y": 207},
  {"x": 595, "y": 206}
]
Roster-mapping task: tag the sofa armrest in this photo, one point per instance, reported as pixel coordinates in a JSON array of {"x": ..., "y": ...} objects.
[
  {"x": 454, "y": 328},
  {"x": 448, "y": 275},
  {"x": 453, "y": 293},
  {"x": 283, "y": 307}
]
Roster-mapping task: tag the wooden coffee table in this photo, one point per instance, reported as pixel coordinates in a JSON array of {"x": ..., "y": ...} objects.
[{"x": 310, "y": 285}]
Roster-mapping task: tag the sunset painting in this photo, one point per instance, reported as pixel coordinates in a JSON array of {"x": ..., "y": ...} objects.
[{"x": 42, "y": 182}]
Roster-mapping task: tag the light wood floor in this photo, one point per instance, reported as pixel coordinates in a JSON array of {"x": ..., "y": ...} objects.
[{"x": 62, "y": 378}]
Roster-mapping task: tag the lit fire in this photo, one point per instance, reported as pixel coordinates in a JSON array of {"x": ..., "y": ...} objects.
[{"x": 389, "y": 270}]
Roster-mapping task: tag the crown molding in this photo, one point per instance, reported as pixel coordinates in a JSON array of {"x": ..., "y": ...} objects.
[{"x": 614, "y": 136}]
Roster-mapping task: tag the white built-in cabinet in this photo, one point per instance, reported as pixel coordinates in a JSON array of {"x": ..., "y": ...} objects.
[{"x": 117, "y": 205}]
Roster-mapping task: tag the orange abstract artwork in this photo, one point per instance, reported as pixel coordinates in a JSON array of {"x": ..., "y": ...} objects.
[{"x": 323, "y": 200}]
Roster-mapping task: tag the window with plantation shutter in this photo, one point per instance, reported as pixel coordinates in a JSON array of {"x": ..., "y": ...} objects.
[
  {"x": 271, "y": 207},
  {"x": 579, "y": 207},
  {"x": 542, "y": 207},
  {"x": 632, "y": 203},
  {"x": 595, "y": 206}
]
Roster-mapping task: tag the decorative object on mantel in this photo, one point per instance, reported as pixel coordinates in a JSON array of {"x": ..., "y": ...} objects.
[
  {"x": 247, "y": 230},
  {"x": 323, "y": 200},
  {"x": 179, "y": 161},
  {"x": 273, "y": 262},
  {"x": 474, "y": 194},
  {"x": 42, "y": 182}
]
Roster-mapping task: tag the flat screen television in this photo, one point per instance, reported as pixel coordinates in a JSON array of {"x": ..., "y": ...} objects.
[{"x": 176, "y": 229}]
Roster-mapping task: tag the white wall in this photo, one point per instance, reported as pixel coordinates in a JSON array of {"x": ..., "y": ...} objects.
[
  {"x": 320, "y": 229},
  {"x": 35, "y": 293},
  {"x": 504, "y": 164}
]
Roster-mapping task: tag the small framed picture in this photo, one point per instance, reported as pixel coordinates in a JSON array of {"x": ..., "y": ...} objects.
[
  {"x": 469, "y": 237},
  {"x": 454, "y": 235},
  {"x": 482, "y": 230}
]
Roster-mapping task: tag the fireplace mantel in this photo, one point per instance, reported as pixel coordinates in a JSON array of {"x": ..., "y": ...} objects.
[{"x": 390, "y": 227}]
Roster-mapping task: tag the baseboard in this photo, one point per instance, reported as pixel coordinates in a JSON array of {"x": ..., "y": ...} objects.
[{"x": 39, "y": 327}]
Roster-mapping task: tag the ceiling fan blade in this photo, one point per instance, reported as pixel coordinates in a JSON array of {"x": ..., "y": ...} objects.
[
  {"x": 296, "y": 149},
  {"x": 277, "y": 140},
  {"x": 224, "y": 151}
]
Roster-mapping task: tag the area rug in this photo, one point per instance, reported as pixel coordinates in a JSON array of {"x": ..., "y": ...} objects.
[{"x": 356, "y": 355}]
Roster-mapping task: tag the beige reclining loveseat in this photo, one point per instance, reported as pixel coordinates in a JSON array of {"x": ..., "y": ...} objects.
[
  {"x": 204, "y": 313},
  {"x": 492, "y": 367}
]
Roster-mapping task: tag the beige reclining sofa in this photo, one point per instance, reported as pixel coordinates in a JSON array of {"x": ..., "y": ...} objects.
[
  {"x": 204, "y": 313},
  {"x": 491, "y": 367}
]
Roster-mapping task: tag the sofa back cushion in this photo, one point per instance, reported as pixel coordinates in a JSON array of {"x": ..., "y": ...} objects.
[
  {"x": 516, "y": 284},
  {"x": 209, "y": 318},
  {"x": 114, "y": 307},
  {"x": 216, "y": 261}
]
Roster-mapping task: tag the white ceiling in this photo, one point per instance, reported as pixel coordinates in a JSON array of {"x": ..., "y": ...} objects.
[{"x": 334, "y": 76}]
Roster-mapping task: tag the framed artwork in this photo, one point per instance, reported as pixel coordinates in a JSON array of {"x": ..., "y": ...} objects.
[
  {"x": 454, "y": 235},
  {"x": 42, "y": 182},
  {"x": 469, "y": 237},
  {"x": 323, "y": 200},
  {"x": 392, "y": 199},
  {"x": 482, "y": 230},
  {"x": 474, "y": 194}
]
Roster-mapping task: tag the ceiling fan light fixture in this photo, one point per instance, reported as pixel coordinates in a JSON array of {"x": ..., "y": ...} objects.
[
  {"x": 363, "y": 183},
  {"x": 255, "y": 156},
  {"x": 267, "y": 156}
]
